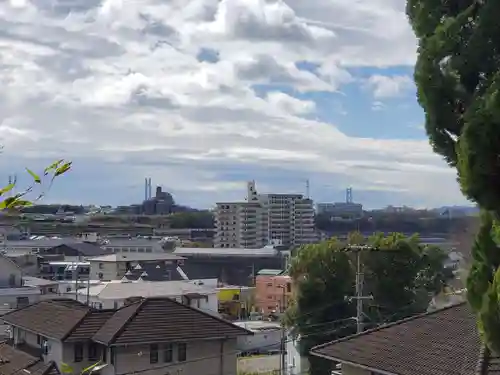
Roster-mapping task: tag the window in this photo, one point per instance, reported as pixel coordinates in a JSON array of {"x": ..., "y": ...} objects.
[
  {"x": 78, "y": 352},
  {"x": 153, "y": 353},
  {"x": 39, "y": 340},
  {"x": 101, "y": 266},
  {"x": 168, "y": 353},
  {"x": 289, "y": 287},
  {"x": 92, "y": 352},
  {"x": 182, "y": 352}
]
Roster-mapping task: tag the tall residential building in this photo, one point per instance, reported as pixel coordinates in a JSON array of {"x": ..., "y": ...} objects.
[{"x": 286, "y": 219}]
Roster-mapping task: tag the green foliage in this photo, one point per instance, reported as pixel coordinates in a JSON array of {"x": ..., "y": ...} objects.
[
  {"x": 458, "y": 80},
  {"x": 19, "y": 200},
  {"x": 401, "y": 275},
  {"x": 195, "y": 219}
]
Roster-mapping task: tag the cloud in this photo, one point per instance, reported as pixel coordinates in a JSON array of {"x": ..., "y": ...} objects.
[
  {"x": 168, "y": 89},
  {"x": 389, "y": 87},
  {"x": 289, "y": 104}
]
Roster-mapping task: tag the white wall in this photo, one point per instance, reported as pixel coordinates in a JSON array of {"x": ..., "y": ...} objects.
[
  {"x": 210, "y": 305},
  {"x": 263, "y": 340},
  {"x": 109, "y": 270},
  {"x": 295, "y": 363}
]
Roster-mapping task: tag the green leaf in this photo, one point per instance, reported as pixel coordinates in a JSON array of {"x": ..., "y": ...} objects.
[
  {"x": 52, "y": 167},
  {"x": 37, "y": 178},
  {"x": 66, "y": 369},
  {"x": 6, "y": 189},
  {"x": 63, "y": 169}
]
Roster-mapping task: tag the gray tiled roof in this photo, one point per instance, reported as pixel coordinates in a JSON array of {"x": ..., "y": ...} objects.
[{"x": 442, "y": 342}]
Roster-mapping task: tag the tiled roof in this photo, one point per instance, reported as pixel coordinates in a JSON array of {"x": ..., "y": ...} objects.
[
  {"x": 442, "y": 342},
  {"x": 148, "y": 320},
  {"x": 14, "y": 360},
  {"x": 55, "y": 319},
  {"x": 89, "y": 325},
  {"x": 163, "y": 319}
]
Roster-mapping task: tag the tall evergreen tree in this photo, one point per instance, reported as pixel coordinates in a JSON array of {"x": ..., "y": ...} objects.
[{"x": 458, "y": 79}]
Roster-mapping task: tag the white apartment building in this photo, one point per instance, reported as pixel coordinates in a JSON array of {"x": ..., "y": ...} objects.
[{"x": 286, "y": 219}]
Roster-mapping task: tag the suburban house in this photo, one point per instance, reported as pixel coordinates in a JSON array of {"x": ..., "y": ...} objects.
[
  {"x": 114, "y": 294},
  {"x": 150, "y": 266},
  {"x": 153, "y": 336},
  {"x": 440, "y": 342},
  {"x": 13, "y": 292}
]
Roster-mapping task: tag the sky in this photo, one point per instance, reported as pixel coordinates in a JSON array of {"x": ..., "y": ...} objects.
[{"x": 204, "y": 95}]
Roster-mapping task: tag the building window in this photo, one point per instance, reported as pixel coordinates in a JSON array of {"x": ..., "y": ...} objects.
[
  {"x": 168, "y": 353},
  {"x": 182, "y": 352},
  {"x": 153, "y": 353},
  {"x": 39, "y": 340},
  {"x": 289, "y": 287},
  {"x": 22, "y": 302},
  {"x": 101, "y": 266},
  {"x": 92, "y": 352},
  {"x": 78, "y": 352}
]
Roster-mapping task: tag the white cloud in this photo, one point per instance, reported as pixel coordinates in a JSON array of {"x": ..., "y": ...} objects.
[
  {"x": 120, "y": 82},
  {"x": 389, "y": 87},
  {"x": 290, "y": 105}
]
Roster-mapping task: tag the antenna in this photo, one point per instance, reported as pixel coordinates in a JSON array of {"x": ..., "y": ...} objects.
[
  {"x": 348, "y": 195},
  {"x": 307, "y": 189}
]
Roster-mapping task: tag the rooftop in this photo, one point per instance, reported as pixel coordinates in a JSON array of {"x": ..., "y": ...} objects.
[
  {"x": 269, "y": 272},
  {"x": 68, "y": 320},
  {"x": 226, "y": 252},
  {"x": 36, "y": 281},
  {"x": 123, "y": 290},
  {"x": 441, "y": 342},
  {"x": 14, "y": 360},
  {"x": 135, "y": 257}
]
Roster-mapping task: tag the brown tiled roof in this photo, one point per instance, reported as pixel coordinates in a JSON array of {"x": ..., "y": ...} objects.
[
  {"x": 442, "y": 342},
  {"x": 89, "y": 325},
  {"x": 14, "y": 360},
  {"x": 55, "y": 319},
  {"x": 163, "y": 320}
]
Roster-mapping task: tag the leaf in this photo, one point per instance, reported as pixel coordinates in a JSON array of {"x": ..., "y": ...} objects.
[
  {"x": 6, "y": 189},
  {"x": 90, "y": 368},
  {"x": 52, "y": 167},
  {"x": 63, "y": 169},
  {"x": 66, "y": 369},
  {"x": 37, "y": 178}
]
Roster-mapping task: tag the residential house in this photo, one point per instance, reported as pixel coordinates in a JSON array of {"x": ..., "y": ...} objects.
[
  {"x": 266, "y": 337},
  {"x": 158, "y": 266},
  {"x": 13, "y": 293},
  {"x": 76, "y": 251},
  {"x": 441, "y": 342},
  {"x": 109, "y": 295},
  {"x": 273, "y": 290},
  {"x": 153, "y": 336}
]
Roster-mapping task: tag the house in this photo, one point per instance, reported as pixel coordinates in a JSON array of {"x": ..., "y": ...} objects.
[
  {"x": 13, "y": 293},
  {"x": 153, "y": 336},
  {"x": 158, "y": 266},
  {"x": 76, "y": 251},
  {"x": 440, "y": 342},
  {"x": 108, "y": 295},
  {"x": 272, "y": 291}
]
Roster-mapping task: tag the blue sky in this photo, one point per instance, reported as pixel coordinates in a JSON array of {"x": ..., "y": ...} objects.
[{"x": 202, "y": 96}]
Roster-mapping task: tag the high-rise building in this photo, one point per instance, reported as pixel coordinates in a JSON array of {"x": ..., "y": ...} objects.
[{"x": 283, "y": 219}]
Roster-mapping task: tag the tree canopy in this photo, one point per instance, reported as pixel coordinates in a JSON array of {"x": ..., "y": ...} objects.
[
  {"x": 400, "y": 274},
  {"x": 458, "y": 80}
]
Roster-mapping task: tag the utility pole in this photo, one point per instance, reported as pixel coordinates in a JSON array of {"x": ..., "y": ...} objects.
[
  {"x": 283, "y": 336},
  {"x": 359, "y": 297}
]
